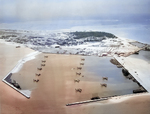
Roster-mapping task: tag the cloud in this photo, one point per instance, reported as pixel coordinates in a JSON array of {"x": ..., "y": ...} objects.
[{"x": 47, "y": 10}]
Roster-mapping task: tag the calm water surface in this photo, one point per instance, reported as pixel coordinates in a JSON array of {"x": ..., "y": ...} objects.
[
  {"x": 117, "y": 83},
  {"x": 145, "y": 55}
]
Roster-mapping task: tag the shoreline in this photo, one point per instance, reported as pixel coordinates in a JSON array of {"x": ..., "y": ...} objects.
[{"x": 55, "y": 89}]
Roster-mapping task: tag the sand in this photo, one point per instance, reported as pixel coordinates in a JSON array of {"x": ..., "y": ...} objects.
[
  {"x": 121, "y": 105},
  {"x": 56, "y": 88},
  {"x": 9, "y": 56}
]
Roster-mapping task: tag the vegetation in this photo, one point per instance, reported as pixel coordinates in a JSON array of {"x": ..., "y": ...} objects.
[{"x": 79, "y": 35}]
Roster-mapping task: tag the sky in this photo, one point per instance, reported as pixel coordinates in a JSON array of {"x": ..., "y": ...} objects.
[
  {"x": 75, "y": 14},
  {"x": 50, "y": 10}
]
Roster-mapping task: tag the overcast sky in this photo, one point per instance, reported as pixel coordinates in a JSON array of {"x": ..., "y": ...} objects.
[
  {"x": 50, "y": 10},
  {"x": 125, "y": 18}
]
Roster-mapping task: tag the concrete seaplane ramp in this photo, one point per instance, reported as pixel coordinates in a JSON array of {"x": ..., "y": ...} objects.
[{"x": 138, "y": 68}]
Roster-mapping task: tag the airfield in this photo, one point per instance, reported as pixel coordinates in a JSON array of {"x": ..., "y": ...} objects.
[{"x": 57, "y": 86}]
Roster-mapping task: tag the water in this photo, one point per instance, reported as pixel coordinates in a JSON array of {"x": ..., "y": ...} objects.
[
  {"x": 138, "y": 32},
  {"x": 135, "y": 31},
  {"x": 94, "y": 69},
  {"x": 145, "y": 55},
  {"x": 140, "y": 45},
  {"x": 117, "y": 83}
]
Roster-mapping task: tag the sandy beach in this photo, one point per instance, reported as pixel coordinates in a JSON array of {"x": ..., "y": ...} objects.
[
  {"x": 120, "y": 105},
  {"x": 9, "y": 57},
  {"x": 56, "y": 87}
]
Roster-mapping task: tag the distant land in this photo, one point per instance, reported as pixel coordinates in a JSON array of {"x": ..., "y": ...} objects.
[
  {"x": 79, "y": 35},
  {"x": 48, "y": 71},
  {"x": 79, "y": 42}
]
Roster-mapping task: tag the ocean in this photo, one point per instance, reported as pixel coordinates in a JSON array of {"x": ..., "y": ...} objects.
[{"x": 135, "y": 31}]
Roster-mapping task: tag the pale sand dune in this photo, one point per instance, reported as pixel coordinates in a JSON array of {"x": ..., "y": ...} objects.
[{"x": 56, "y": 88}]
